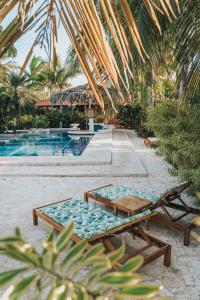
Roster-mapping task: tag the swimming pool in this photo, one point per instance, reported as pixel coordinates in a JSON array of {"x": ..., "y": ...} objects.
[{"x": 44, "y": 144}]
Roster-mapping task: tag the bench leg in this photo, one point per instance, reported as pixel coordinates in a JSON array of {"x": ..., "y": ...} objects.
[
  {"x": 167, "y": 256},
  {"x": 86, "y": 197},
  {"x": 146, "y": 222},
  {"x": 186, "y": 236},
  {"x": 35, "y": 218}
]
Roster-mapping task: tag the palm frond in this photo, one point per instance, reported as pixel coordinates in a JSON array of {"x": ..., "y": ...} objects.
[
  {"x": 187, "y": 51},
  {"x": 83, "y": 23}
]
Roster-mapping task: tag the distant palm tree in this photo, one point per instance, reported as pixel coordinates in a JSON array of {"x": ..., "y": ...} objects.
[
  {"x": 35, "y": 68},
  {"x": 18, "y": 89}
]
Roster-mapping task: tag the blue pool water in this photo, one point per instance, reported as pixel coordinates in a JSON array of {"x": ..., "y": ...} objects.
[{"x": 44, "y": 144}]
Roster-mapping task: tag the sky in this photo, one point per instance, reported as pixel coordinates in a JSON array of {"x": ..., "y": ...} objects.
[{"x": 24, "y": 44}]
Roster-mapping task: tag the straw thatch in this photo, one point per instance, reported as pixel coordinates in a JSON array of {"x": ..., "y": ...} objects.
[{"x": 76, "y": 95}]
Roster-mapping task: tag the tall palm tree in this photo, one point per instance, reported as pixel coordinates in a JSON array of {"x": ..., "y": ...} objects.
[
  {"x": 84, "y": 22},
  {"x": 35, "y": 67},
  {"x": 17, "y": 89},
  {"x": 56, "y": 79}
]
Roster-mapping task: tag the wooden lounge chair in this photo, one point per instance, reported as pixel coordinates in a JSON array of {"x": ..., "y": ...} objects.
[
  {"x": 97, "y": 225},
  {"x": 113, "y": 196}
]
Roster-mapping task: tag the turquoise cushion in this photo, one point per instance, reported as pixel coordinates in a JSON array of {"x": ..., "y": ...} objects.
[
  {"x": 115, "y": 192},
  {"x": 90, "y": 221}
]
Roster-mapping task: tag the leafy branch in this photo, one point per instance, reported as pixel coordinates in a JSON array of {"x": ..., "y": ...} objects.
[{"x": 68, "y": 270}]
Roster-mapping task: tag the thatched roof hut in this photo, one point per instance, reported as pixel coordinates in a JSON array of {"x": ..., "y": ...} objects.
[{"x": 79, "y": 95}]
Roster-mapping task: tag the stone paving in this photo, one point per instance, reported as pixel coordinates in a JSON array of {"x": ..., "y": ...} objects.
[{"x": 18, "y": 195}]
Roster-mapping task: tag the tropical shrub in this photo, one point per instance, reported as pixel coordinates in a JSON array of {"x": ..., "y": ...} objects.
[
  {"x": 64, "y": 270},
  {"x": 68, "y": 116},
  {"x": 40, "y": 122},
  {"x": 177, "y": 129},
  {"x": 3, "y": 128},
  {"x": 131, "y": 115},
  {"x": 25, "y": 122}
]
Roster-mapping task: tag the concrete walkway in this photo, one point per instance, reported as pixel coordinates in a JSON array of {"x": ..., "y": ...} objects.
[{"x": 18, "y": 195}]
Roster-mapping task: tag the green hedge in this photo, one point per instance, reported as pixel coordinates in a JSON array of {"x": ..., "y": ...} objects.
[
  {"x": 178, "y": 130},
  {"x": 50, "y": 119},
  {"x": 67, "y": 117}
]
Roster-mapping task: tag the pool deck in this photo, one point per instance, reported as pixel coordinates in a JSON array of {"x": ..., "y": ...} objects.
[
  {"x": 19, "y": 194},
  {"x": 109, "y": 153}
]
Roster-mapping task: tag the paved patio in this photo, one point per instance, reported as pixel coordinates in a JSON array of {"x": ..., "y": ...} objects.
[{"x": 19, "y": 194}]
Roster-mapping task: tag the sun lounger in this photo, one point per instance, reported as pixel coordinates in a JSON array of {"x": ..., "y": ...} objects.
[
  {"x": 97, "y": 225},
  {"x": 112, "y": 195}
]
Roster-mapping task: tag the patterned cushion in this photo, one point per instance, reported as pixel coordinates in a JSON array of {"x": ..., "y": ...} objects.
[
  {"x": 116, "y": 192},
  {"x": 89, "y": 220}
]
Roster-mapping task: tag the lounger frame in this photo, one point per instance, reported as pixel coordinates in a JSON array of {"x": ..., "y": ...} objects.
[
  {"x": 166, "y": 201},
  {"x": 133, "y": 227}
]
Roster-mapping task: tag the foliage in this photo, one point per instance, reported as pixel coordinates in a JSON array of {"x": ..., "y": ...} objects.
[
  {"x": 187, "y": 54},
  {"x": 131, "y": 115},
  {"x": 68, "y": 116},
  {"x": 177, "y": 129},
  {"x": 3, "y": 128},
  {"x": 17, "y": 93},
  {"x": 25, "y": 122},
  {"x": 64, "y": 270},
  {"x": 40, "y": 122}
]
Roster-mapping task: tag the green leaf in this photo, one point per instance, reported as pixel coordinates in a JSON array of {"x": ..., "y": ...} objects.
[
  {"x": 58, "y": 293},
  {"x": 75, "y": 252},
  {"x": 18, "y": 254},
  {"x": 95, "y": 273},
  {"x": 119, "y": 279},
  {"x": 132, "y": 264},
  {"x": 65, "y": 236},
  {"x": 21, "y": 287},
  {"x": 5, "y": 277},
  {"x": 49, "y": 240},
  {"x": 10, "y": 240},
  {"x": 82, "y": 294},
  {"x": 116, "y": 255},
  {"x": 93, "y": 251},
  {"x": 99, "y": 261},
  {"x": 139, "y": 291},
  {"x": 17, "y": 232}
]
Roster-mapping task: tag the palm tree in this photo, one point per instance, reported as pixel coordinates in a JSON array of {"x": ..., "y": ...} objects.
[
  {"x": 187, "y": 52},
  {"x": 58, "y": 79},
  {"x": 17, "y": 90},
  {"x": 34, "y": 73},
  {"x": 5, "y": 108},
  {"x": 91, "y": 24}
]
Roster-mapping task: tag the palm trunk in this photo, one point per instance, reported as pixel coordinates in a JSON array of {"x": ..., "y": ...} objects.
[
  {"x": 16, "y": 111},
  {"x": 50, "y": 93},
  {"x": 61, "y": 110}
]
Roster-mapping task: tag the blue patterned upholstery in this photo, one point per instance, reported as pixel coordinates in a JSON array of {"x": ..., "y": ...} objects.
[
  {"x": 90, "y": 221},
  {"x": 116, "y": 192}
]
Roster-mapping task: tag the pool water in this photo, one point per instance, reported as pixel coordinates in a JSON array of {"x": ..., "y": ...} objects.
[{"x": 44, "y": 144}]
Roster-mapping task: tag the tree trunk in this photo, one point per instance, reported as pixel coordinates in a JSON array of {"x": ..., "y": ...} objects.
[
  {"x": 61, "y": 107},
  {"x": 50, "y": 93},
  {"x": 16, "y": 111}
]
